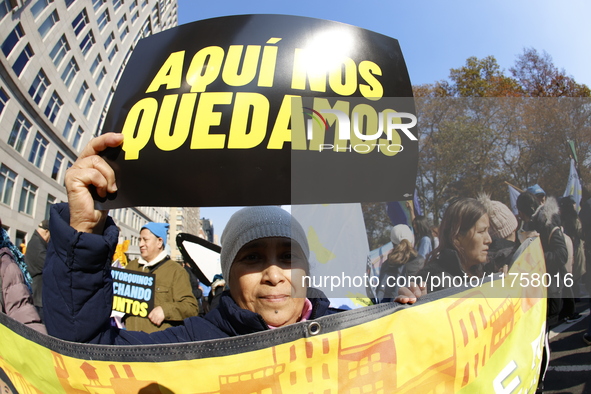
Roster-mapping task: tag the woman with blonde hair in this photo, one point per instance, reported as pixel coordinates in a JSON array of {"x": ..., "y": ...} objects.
[{"x": 402, "y": 264}]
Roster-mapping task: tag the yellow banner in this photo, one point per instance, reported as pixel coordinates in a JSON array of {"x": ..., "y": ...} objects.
[{"x": 486, "y": 339}]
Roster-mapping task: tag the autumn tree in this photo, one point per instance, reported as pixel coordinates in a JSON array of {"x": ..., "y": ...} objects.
[
  {"x": 462, "y": 133},
  {"x": 481, "y": 128},
  {"x": 537, "y": 76},
  {"x": 495, "y": 131}
]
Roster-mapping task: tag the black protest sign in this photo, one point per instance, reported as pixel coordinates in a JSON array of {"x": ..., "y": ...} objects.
[
  {"x": 133, "y": 292},
  {"x": 263, "y": 109}
]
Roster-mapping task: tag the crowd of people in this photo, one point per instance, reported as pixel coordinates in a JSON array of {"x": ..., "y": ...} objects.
[{"x": 264, "y": 255}]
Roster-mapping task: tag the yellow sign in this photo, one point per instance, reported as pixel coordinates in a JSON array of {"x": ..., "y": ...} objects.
[{"x": 488, "y": 340}]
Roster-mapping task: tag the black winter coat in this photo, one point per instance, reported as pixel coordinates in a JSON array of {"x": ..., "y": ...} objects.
[{"x": 78, "y": 293}]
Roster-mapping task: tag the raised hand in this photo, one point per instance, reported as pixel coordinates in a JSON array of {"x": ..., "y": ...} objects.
[{"x": 91, "y": 169}]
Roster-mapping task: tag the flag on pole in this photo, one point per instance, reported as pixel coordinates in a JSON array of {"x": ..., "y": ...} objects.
[
  {"x": 338, "y": 249},
  {"x": 513, "y": 194},
  {"x": 399, "y": 212},
  {"x": 573, "y": 186}
]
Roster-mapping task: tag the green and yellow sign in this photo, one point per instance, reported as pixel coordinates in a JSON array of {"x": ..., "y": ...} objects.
[{"x": 484, "y": 341}]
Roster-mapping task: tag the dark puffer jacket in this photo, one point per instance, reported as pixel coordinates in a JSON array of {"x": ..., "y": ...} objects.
[
  {"x": 78, "y": 292},
  {"x": 439, "y": 273}
]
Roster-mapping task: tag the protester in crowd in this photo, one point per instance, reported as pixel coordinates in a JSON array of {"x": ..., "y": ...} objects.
[
  {"x": 502, "y": 230},
  {"x": 173, "y": 297},
  {"x": 585, "y": 218},
  {"x": 195, "y": 286},
  {"x": 402, "y": 264},
  {"x": 545, "y": 221},
  {"x": 529, "y": 205},
  {"x": 264, "y": 254},
  {"x": 15, "y": 292},
  {"x": 35, "y": 259},
  {"x": 537, "y": 191},
  {"x": 571, "y": 225},
  {"x": 463, "y": 244},
  {"x": 423, "y": 234},
  {"x": 217, "y": 288}
]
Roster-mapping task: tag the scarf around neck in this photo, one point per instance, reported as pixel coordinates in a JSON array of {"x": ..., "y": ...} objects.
[{"x": 147, "y": 264}]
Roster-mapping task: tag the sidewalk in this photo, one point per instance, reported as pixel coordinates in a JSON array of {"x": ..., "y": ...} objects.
[{"x": 570, "y": 362}]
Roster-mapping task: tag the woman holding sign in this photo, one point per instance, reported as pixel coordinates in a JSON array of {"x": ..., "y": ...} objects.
[{"x": 264, "y": 253}]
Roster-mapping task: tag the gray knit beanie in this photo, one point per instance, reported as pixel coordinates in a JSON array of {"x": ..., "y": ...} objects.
[
  {"x": 501, "y": 220},
  {"x": 252, "y": 223}
]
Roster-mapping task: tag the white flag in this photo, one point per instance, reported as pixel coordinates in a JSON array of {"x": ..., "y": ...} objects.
[
  {"x": 573, "y": 186},
  {"x": 338, "y": 249}
]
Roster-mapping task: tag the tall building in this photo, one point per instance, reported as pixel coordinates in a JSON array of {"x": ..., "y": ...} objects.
[
  {"x": 182, "y": 220},
  {"x": 60, "y": 63},
  {"x": 207, "y": 230}
]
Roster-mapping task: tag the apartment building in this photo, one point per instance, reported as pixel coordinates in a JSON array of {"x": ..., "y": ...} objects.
[{"x": 60, "y": 62}]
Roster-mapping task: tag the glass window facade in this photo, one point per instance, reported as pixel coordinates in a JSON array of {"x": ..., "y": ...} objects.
[
  {"x": 109, "y": 40},
  {"x": 103, "y": 20},
  {"x": 28, "y": 195},
  {"x": 81, "y": 92},
  {"x": 96, "y": 4},
  {"x": 39, "y": 86},
  {"x": 50, "y": 201},
  {"x": 38, "y": 7},
  {"x": 59, "y": 51},
  {"x": 80, "y": 22},
  {"x": 48, "y": 23},
  {"x": 19, "y": 133},
  {"x": 3, "y": 100},
  {"x": 68, "y": 128},
  {"x": 113, "y": 53},
  {"x": 22, "y": 60},
  {"x": 70, "y": 72},
  {"x": 13, "y": 38},
  {"x": 57, "y": 166},
  {"x": 7, "y": 181},
  {"x": 89, "y": 104},
  {"x": 77, "y": 138},
  {"x": 53, "y": 107},
  {"x": 95, "y": 64},
  {"x": 38, "y": 150},
  {"x": 87, "y": 42}
]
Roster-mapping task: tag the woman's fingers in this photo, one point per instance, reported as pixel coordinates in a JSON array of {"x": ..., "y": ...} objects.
[
  {"x": 410, "y": 294},
  {"x": 406, "y": 296},
  {"x": 90, "y": 170},
  {"x": 99, "y": 144}
]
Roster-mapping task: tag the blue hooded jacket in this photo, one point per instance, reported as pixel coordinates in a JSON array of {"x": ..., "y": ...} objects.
[{"x": 78, "y": 294}]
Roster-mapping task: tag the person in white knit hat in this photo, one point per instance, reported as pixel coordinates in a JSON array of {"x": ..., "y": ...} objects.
[{"x": 502, "y": 230}]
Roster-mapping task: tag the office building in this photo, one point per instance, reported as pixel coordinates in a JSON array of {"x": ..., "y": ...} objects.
[{"x": 60, "y": 62}]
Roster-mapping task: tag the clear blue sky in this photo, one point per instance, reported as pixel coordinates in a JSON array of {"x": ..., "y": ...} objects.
[{"x": 436, "y": 36}]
